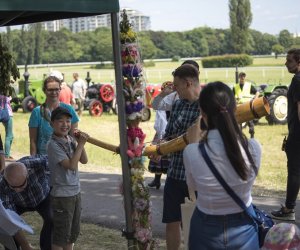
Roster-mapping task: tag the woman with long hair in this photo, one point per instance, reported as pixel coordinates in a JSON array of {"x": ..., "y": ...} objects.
[
  {"x": 218, "y": 222},
  {"x": 40, "y": 129}
]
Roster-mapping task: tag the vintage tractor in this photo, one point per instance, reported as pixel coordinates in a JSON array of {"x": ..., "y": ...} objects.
[
  {"x": 28, "y": 99},
  {"x": 277, "y": 98},
  {"x": 99, "y": 98}
]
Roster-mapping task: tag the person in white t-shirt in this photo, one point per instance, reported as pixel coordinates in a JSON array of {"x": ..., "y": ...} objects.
[
  {"x": 79, "y": 90},
  {"x": 218, "y": 222}
]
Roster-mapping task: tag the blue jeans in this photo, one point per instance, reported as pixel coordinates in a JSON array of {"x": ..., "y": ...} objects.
[
  {"x": 8, "y": 136},
  {"x": 230, "y": 232}
]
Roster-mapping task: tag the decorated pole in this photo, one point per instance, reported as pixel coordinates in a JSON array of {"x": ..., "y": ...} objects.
[
  {"x": 133, "y": 94},
  {"x": 122, "y": 131}
]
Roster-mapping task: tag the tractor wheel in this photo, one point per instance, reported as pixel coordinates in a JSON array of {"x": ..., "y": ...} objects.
[
  {"x": 278, "y": 107},
  {"x": 146, "y": 114},
  {"x": 28, "y": 104},
  {"x": 107, "y": 93},
  {"x": 95, "y": 108}
]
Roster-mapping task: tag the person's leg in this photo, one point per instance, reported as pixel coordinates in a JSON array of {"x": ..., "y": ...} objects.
[
  {"x": 44, "y": 209},
  {"x": 63, "y": 211},
  {"x": 173, "y": 235},
  {"x": 251, "y": 128},
  {"x": 8, "y": 136},
  {"x": 174, "y": 193},
  {"x": 156, "y": 182},
  {"x": 293, "y": 183}
]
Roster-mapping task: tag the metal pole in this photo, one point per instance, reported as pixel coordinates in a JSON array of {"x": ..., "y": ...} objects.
[
  {"x": 236, "y": 74},
  {"x": 26, "y": 83},
  {"x": 88, "y": 78},
  {"x": 122, "y": 130}
]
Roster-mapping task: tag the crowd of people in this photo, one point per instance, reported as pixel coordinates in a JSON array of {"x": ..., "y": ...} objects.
[{"x": 47, "y": 181}]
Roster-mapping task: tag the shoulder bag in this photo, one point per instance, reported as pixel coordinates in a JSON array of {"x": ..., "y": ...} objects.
[
  {"x": 4, "y": 115},
  {"x": 263, "y": 220}
]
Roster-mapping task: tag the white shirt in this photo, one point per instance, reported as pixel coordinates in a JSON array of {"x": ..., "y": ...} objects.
[
  {"x": 79, "y": 88},
  {"x": 212, "y": 198}
]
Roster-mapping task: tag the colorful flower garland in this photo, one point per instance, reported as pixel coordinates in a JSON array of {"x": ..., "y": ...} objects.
[{"x": 133, "y": 90}]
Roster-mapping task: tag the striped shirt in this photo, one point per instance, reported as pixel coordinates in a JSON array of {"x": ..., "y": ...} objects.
[
  {"x": 37, "y": 187},
  {"x": 183, "y": 115}
]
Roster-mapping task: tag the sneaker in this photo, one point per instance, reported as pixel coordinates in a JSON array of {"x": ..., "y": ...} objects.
[{"x": 283, "y": 214}]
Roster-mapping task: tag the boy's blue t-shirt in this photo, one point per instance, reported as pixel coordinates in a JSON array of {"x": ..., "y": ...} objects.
[{"x": 44, "y": 128}]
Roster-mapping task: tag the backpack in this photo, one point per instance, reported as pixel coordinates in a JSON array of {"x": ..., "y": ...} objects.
[{"x": 4, "y": 115}]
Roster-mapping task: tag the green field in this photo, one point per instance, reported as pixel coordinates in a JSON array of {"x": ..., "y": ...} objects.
[{"x": 263, "y": 70}]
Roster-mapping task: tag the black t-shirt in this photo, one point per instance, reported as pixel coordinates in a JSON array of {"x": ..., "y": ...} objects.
[{"x": 293, "y": 96}]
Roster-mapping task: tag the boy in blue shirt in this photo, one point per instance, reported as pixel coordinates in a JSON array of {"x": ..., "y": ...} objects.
[{"x": 65, "y": 152}]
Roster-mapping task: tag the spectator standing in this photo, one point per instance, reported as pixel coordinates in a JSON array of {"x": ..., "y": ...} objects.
[
  {"x": 163, "y": 103},
  {"x": 64, "y": 155},
  {"x": 40, "y": 130},
  {"x": 79, "y": 90},
  {"x": 292, "y": 147},
  {"x": 66, "y": 95},
  {"x": 184, "y": 113},
  {"x": 9, "y": 136},
  {"x": 24, "y": 186},
  {"x": 244, "y": 91},
  {"x": 218, "y": 222}
]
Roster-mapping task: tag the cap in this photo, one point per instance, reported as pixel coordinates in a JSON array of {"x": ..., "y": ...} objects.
[
  {"x": 57, "y": 74},
  {"x": 59, "y": 112}
]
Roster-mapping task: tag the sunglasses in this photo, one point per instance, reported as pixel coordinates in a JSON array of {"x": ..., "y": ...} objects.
[{"x": 18, "y": 187}]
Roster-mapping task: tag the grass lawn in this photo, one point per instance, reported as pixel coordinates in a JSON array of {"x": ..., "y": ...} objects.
[{"x": 263, "y": 70}]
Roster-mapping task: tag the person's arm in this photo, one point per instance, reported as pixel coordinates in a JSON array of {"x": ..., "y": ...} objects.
[
  {"x": 22, "y": 241},
  {"x": 33, "y": 140},
  {"x": 79, "y": 154},
  {"x": 164, "y": 102},
  {"x": 74, "y": 126}
]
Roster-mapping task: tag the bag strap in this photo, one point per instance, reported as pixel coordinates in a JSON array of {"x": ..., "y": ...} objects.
[{"x": 221, "y": 180}]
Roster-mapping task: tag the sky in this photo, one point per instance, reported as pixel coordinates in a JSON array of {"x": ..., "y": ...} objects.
[{"x": 268, "y": 16}]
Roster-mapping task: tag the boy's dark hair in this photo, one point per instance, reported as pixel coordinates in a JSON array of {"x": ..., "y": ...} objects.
[{"x": 59, "y": 112}]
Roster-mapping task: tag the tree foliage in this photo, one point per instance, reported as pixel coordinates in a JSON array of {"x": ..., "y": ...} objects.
[
  {"x": 240, "y": 20},
  {"x": 8, "y": 69},
  {"x": 34, "y": 46}
]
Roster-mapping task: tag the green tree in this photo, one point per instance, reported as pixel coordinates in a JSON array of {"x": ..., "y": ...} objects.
[
  {"x": 262, "y": 43},
  {"x": 199, "y": 42},
  {"x": 277, "y": 49},
  {"x": 38, "y": 43},
  {"x": 8, "y": 70},
  {"x": 285, "y": 39},
  {"x": 240, "y": 20}
]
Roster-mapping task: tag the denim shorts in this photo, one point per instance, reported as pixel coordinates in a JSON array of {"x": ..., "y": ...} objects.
[
  {"x": 174, "y": 193},
  {"x": 66, "y": 219},
  {"x": 230, "y": 232}
]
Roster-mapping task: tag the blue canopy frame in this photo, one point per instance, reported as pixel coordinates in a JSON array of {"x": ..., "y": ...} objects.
[{"x": 16, "y": 12}]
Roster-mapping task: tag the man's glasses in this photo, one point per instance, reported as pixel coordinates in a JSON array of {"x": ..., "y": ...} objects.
[{"x": 53, "y": 90}]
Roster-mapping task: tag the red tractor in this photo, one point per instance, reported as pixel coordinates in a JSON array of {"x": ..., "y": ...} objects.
[{"x": 99, "y": 98}]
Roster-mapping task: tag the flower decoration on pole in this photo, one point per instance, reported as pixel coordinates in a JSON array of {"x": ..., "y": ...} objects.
[{"x": 133, "y": 90}]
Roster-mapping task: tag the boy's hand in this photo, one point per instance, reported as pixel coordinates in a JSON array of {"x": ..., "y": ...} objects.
[{"x": 80, "y": 136}]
